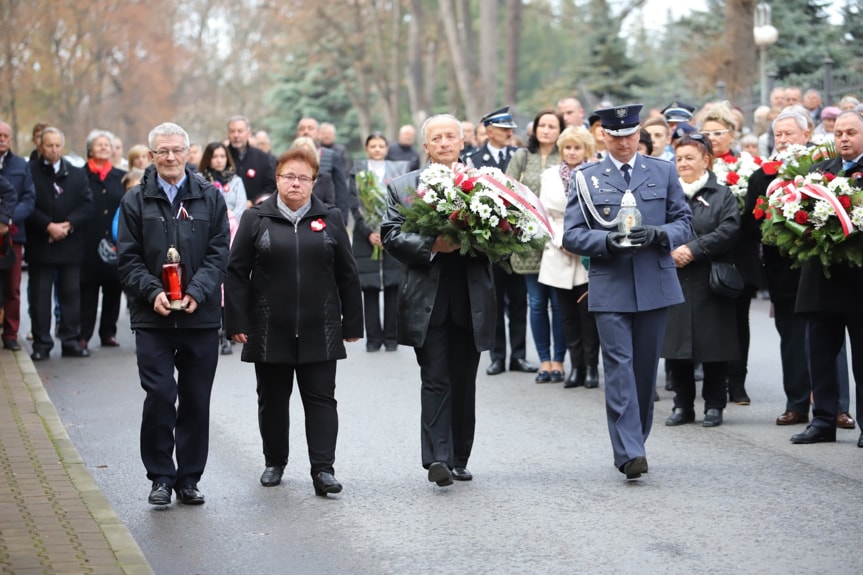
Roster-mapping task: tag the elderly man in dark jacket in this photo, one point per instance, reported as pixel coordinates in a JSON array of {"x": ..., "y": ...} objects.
[
  {"x": 64, "y": 204},
  {"x": 173, "y": 207},
  {"x": 17, "y": 170},
  {"x": 446, "y": 312}
]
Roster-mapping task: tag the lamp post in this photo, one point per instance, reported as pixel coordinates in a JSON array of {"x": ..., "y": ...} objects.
[{"x": 765, "y": 35}]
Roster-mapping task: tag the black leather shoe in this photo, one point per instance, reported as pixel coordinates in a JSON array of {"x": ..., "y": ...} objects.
[
  {"x": 325, "y": 483},
  {"x": 11, "y": 344},
  {"x": 189, "y": 495},
  {"x": 634, "y": 467},
  {"x": 39, "y": 355},
  {"x": 495, "y": 368},
  {"x": 679, "y": 416},
  {"x": 591, "y": 378},
  {"x": 461, "y": 474},
  {"x": 575, "y": 378},
  {"x": 373, "y": 346},
  {"x": 110, "y": 342},
  {"x": 160, "y": 494},
  {"x": 712, "y": 418},
  {"x": 860, "y": 440},
  {"x": 814, "y": 434},
  {"x": 391, "y": 346},
  {"x": 272, "y": 475},
  {"x": 439, "y": 473},
  {"x": 75, "y": 351},
  {"x": 520, "y": 364}
]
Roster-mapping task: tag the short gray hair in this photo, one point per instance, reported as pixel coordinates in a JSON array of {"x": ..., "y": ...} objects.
[
  {"x": 240, "y": 118},
  {"x": 53, "y": 130},
  {"x": 167, "y": 129},
  {"x": 95, "y": 135},
  {"x": 801, "y": 120},
  {"x": 436, "y": 117}
]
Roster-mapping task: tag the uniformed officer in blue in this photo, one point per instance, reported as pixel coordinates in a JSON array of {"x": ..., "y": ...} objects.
[
  {"x": 497, "y": 151},
  {"x": 632, "y": 286}
]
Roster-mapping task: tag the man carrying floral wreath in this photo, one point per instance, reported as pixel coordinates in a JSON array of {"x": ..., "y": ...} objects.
[
  {"x": 833, "y": 304},
  {"x": 446, "y": 313}
]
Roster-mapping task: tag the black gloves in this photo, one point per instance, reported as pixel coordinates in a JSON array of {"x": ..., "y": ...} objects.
[
  {"x": 643, "y": 236},
  {"x": 612, "y": 242}
]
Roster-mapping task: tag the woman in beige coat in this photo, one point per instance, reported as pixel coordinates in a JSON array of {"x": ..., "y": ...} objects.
[{"x": 565, "y": 271}]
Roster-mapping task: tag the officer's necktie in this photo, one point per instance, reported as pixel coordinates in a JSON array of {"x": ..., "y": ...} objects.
[
  {"x": 501, "y": 157},
  {"x": 625, "y": 169},
  {"x": 847, "y": 165}
]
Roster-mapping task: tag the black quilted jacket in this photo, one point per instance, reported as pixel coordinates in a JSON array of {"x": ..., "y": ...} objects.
[{"x": 294, "y": 290}]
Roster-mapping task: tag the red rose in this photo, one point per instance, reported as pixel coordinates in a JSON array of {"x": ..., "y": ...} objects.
[
  {"x": 801, "y": 217},
  {"x": 758, "y": 160},
  {"x": 318, "y": 225},
  {"x": 846, "y": 202},
  {"x": 732, "y": 178},
  {"x": 771, "y": 168},
  {"x": 760, "y": 202},
  {"x": 730, "y": 160},
  {"x": 467, "y": 186},
  {"x": 829, "y": 177},
  {"x": 505, "y": 226},
  {"x": 758, "y": 213},
  {"x": 768, "y": 216}
]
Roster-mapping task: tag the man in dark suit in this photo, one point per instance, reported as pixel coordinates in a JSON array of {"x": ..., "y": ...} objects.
[
  {"x": 446, "y": 313},
  {"x": 64, "y": 203},
  {"x": 174, "y": 209},
  {"x": 330, "y": 163},
  {"x": 832, "y": 305},
  {"x": 632, "y": 283},
  {"x": 17, "y": 171},
  {"x": 789, "y": 128},
  {"x": 510, "y": 288},
  {"x": 256, "y": 167}
]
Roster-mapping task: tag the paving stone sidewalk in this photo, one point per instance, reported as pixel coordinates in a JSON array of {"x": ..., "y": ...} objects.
[{"x": 53, "y": 517}]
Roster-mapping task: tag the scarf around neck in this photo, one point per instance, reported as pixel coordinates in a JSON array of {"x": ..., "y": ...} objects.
[
  {"x": 101, "y": 171},
  {"x": 691, "y": 189}
]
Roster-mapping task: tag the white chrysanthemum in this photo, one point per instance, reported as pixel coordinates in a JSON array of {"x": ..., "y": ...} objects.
[
  {"x": 840, "y": 187},
  {"x": 529, "y": 228},
  {"x": 480, "y": 208},
  {"x": 857, "y": 217},
  {"x": 498, "y": 205},
  {"x": 493, "y": 221},
  {"x": 821, "y": 213},
  {"x": 789, "y": 209}
]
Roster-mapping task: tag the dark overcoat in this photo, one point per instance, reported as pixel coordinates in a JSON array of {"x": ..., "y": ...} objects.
[
  {"x": 106, "y": 201},
  {"x": 704, "y": 327},
  {"x": 293, "y": 288},
  {"x": 420, "y": 276},
  {"x": 373, "y": 273}
]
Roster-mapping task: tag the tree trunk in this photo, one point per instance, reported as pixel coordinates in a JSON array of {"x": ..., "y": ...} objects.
[
  {"x": 738, "y": 64},
  {"x": 510, "y": 59},
  {"x": 459, "y": 60},
  {"x": 488, "y": 16}
]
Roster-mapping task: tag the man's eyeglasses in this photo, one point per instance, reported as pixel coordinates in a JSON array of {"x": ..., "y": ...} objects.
[
  {"x": 714, "y": 133},
  {"x": 288, "y": 178},
  {"x": 165, "y": 153}
]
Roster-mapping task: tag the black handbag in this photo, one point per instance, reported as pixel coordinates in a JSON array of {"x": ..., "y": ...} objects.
[{"x": 725, "y": 279}]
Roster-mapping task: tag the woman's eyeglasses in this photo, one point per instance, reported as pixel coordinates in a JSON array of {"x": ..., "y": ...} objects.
[{"x": 714, "y": 133}]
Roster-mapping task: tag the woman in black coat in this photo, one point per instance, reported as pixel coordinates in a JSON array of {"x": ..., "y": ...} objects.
[
  {"x": 106, "y": 185},
  {"x": 702, "y": 329},
  {"x": 378, "y": 269},
  {"x": 292, "y": 296}
]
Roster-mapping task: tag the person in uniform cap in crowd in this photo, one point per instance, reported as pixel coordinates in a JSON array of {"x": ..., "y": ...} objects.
[
  {"x": 676, "y": 113},
  {"x": 632, "y": 282},
  {"x": 595, "y": 127},
  {"x": 510, "y": 288}
]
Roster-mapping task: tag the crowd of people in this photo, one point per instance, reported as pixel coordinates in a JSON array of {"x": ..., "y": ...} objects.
[{"x": 232, "y": 213}]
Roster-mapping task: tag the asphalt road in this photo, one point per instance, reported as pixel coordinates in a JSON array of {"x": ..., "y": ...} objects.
[{"x": 545, "y": 499}]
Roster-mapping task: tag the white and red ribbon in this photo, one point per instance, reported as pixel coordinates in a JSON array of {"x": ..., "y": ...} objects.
[
  {"x": 795, "y": 193},
  {"x": 524, "y": 199}
]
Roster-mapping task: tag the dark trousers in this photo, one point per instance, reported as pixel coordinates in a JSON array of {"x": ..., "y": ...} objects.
[
  {"x": 825, "y": 336},
  {"x": 511, "y": 293},
  {"x": 712, "y": 388},
  {"x": 12, "y": 296},
  {"x": 112, "y": 291},
  {"x": 737, "y": 369},
  {"x": 69, "y": 299},
  {"x": 579, "y": 327},
  {"x": 448, "y": 362},
  {"x": 317, "y": 385},
  {"x": 194, "y": 354},
  {"x": 375, "y": 332},
  {"x": 792, "y": 350}
]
